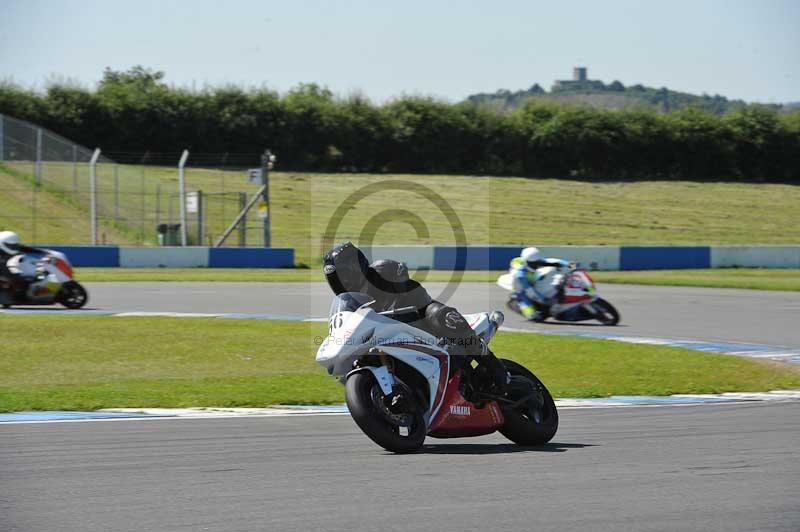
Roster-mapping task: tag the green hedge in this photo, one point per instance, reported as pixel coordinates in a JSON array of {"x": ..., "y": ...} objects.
[{"x": 311, "y": 129}]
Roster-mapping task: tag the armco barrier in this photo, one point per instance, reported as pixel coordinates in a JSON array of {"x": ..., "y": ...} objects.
[
  {"x": 166, "y": 257},
  {"x": 176, "y": 257},
  {"x": 755, "y": 256},
  {"x": 664, "y": 257},
  {"x": 250, "y": 257},
  {"x": 447, "y": 257},
  {"x": 101, "y": 256},
  {"x": 413, "y": 256},
  {"x": 498, "y": 257}
]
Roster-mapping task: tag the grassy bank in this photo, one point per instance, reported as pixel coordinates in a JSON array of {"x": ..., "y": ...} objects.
[
  {"x": 99, "y": 362},
  {"x": 753, "y": 278},
  {"x": 494, "y": 210}
]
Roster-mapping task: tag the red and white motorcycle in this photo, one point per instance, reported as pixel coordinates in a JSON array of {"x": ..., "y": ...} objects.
[
  {"x": 51, "y": 281},
  {"x": 402, "y": 385},
  {"x": 578, "y": 301}
]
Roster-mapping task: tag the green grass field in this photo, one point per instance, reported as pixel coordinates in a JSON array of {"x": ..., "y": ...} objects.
[
  {"x": 753, "y": 278},
  {"x": 491, "y": 209},
  {"x": 72, "y": 363}
]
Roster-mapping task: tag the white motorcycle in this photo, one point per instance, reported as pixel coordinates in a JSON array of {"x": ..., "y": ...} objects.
[
  {"x": 51, "y": 281},
  {"x": 401, "y": 383},
  {"x": 578, "y": 301}
]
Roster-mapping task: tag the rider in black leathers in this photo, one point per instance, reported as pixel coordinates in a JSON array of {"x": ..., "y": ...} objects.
[{"x": 347, "y": 269}]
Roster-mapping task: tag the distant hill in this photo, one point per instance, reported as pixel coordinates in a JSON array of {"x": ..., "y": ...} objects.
[{"x": 613, "y": 95}]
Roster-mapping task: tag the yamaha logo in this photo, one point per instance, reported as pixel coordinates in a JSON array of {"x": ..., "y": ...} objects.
[{"x": 459, "y": 410}]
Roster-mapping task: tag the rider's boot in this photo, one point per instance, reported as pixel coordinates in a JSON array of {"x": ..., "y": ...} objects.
[
  {"x": 496, "y": 373},
  {"x": 18, "y": 288}
]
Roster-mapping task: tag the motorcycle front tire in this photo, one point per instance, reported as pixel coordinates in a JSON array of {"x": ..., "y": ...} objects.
[
  {"x": 360, "y": 390},
  {"x": 73, "y": 295},
  {"x": 608, "y": 314}
]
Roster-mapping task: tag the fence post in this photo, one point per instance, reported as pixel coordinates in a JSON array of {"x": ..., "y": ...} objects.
[
  {"x": 243, "y": 225},
  {"x": 74, "y": 169},
  {"x": 182, "y": 194},
  {"x": 116, "y": 192},
  {"x": 158, "y": 205},
  {"x": 38, "y": 167},
  {"x": 93, "y": 193},
  {"x": 200, "y": 218},
  {"x": 266, "y": 165},
  {"x": 142, "y": 209}
]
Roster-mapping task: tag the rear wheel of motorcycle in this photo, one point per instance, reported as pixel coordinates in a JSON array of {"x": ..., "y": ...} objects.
[
  {"x": 608, "y": 315},
  {"x": 364, "y": 399},
  {"x": 73, "y": 295},
  {"x": 534, "y": 422}
]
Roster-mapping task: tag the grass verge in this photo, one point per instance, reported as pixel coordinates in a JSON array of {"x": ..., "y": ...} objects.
[
  {"x": 753, "y": 278},
  {"x": 491, "y": 209},
  {"x": 85, "y": 363}
]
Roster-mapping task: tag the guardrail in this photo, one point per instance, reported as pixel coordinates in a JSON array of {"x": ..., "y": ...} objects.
[
  {"x": 596, "y": 257},
  {"x": 177, "y": 257},
  {"x": 447, "y": 257}
]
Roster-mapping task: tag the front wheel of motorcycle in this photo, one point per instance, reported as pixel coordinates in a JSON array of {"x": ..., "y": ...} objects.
[
  {"x": 73, "y": 295},
  {"x": 398, "y": 428},
  {"x": 607, "y": 314},
  {"x": 534, "y": 421}
]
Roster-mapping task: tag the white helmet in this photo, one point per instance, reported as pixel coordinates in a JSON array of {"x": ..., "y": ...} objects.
[
  {"x": 9, "y": 242},
  {"x": 531, "y": 256}
]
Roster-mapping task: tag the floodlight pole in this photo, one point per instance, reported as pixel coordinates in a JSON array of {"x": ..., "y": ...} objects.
[
  {"x": 182, "y": 194},
  {"x": 93, "y": 193}
]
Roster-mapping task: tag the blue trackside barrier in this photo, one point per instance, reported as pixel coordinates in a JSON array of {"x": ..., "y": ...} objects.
[
  {"x": 250, "y": 257},
  {"x": 473, "y": 257},
  {"x": 445, "y": 257},
  {"x": 98, "y": 256},
  {"x": 664, "y": 257},
  {"x": 176, "y": 257},
  {"x": 498, "y": 257}
]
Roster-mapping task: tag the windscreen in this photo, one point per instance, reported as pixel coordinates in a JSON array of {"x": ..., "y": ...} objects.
[{"x": 349, "y": 302}]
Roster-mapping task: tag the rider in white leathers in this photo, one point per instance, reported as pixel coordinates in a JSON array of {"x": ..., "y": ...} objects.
[
  {"x": 537, "y": 282},
  {"x": 9, "y": 247}
]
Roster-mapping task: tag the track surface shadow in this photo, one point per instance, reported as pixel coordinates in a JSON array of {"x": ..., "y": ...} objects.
[
  {"x": 498, "y": 448},
  {"x": 583, "y": 324}
]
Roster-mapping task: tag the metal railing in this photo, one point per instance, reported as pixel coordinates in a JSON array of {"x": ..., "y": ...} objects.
[{"x": 51, "y": 191}]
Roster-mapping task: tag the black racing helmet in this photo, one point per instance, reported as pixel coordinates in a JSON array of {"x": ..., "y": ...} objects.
[
  {"x": 389, "y": 276},
  {"x": 346, "y": 269}
]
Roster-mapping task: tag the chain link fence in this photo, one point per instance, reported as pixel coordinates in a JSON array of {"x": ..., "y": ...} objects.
[{"x": 46, "y": 193}]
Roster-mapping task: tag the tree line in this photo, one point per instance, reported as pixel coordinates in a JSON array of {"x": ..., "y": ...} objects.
[{"x": 312, "y": 129}]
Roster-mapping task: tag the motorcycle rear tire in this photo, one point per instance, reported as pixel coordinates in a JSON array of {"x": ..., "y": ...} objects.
[
  {"x": 521, "y": 425},
  {"x": 373, "y": 422},
  {"x": 73, "y": 295},
  {"x": 608, "y": 314}
]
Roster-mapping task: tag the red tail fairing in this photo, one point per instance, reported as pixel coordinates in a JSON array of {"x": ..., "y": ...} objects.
[{"x": 64, "y": 267}]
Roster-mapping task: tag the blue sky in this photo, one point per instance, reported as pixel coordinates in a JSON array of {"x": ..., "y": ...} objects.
[{"x": 748, "y": 50}]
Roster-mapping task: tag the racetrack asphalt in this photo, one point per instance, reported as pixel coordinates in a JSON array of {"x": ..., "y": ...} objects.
[
  {"x": 710, "y": 314},
  {"x": 712, "y": 468}
]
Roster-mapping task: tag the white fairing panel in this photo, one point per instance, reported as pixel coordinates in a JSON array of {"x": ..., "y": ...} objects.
[
  {"x": 352, "y": 334},
  {"x": 506, "y": 282}
]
